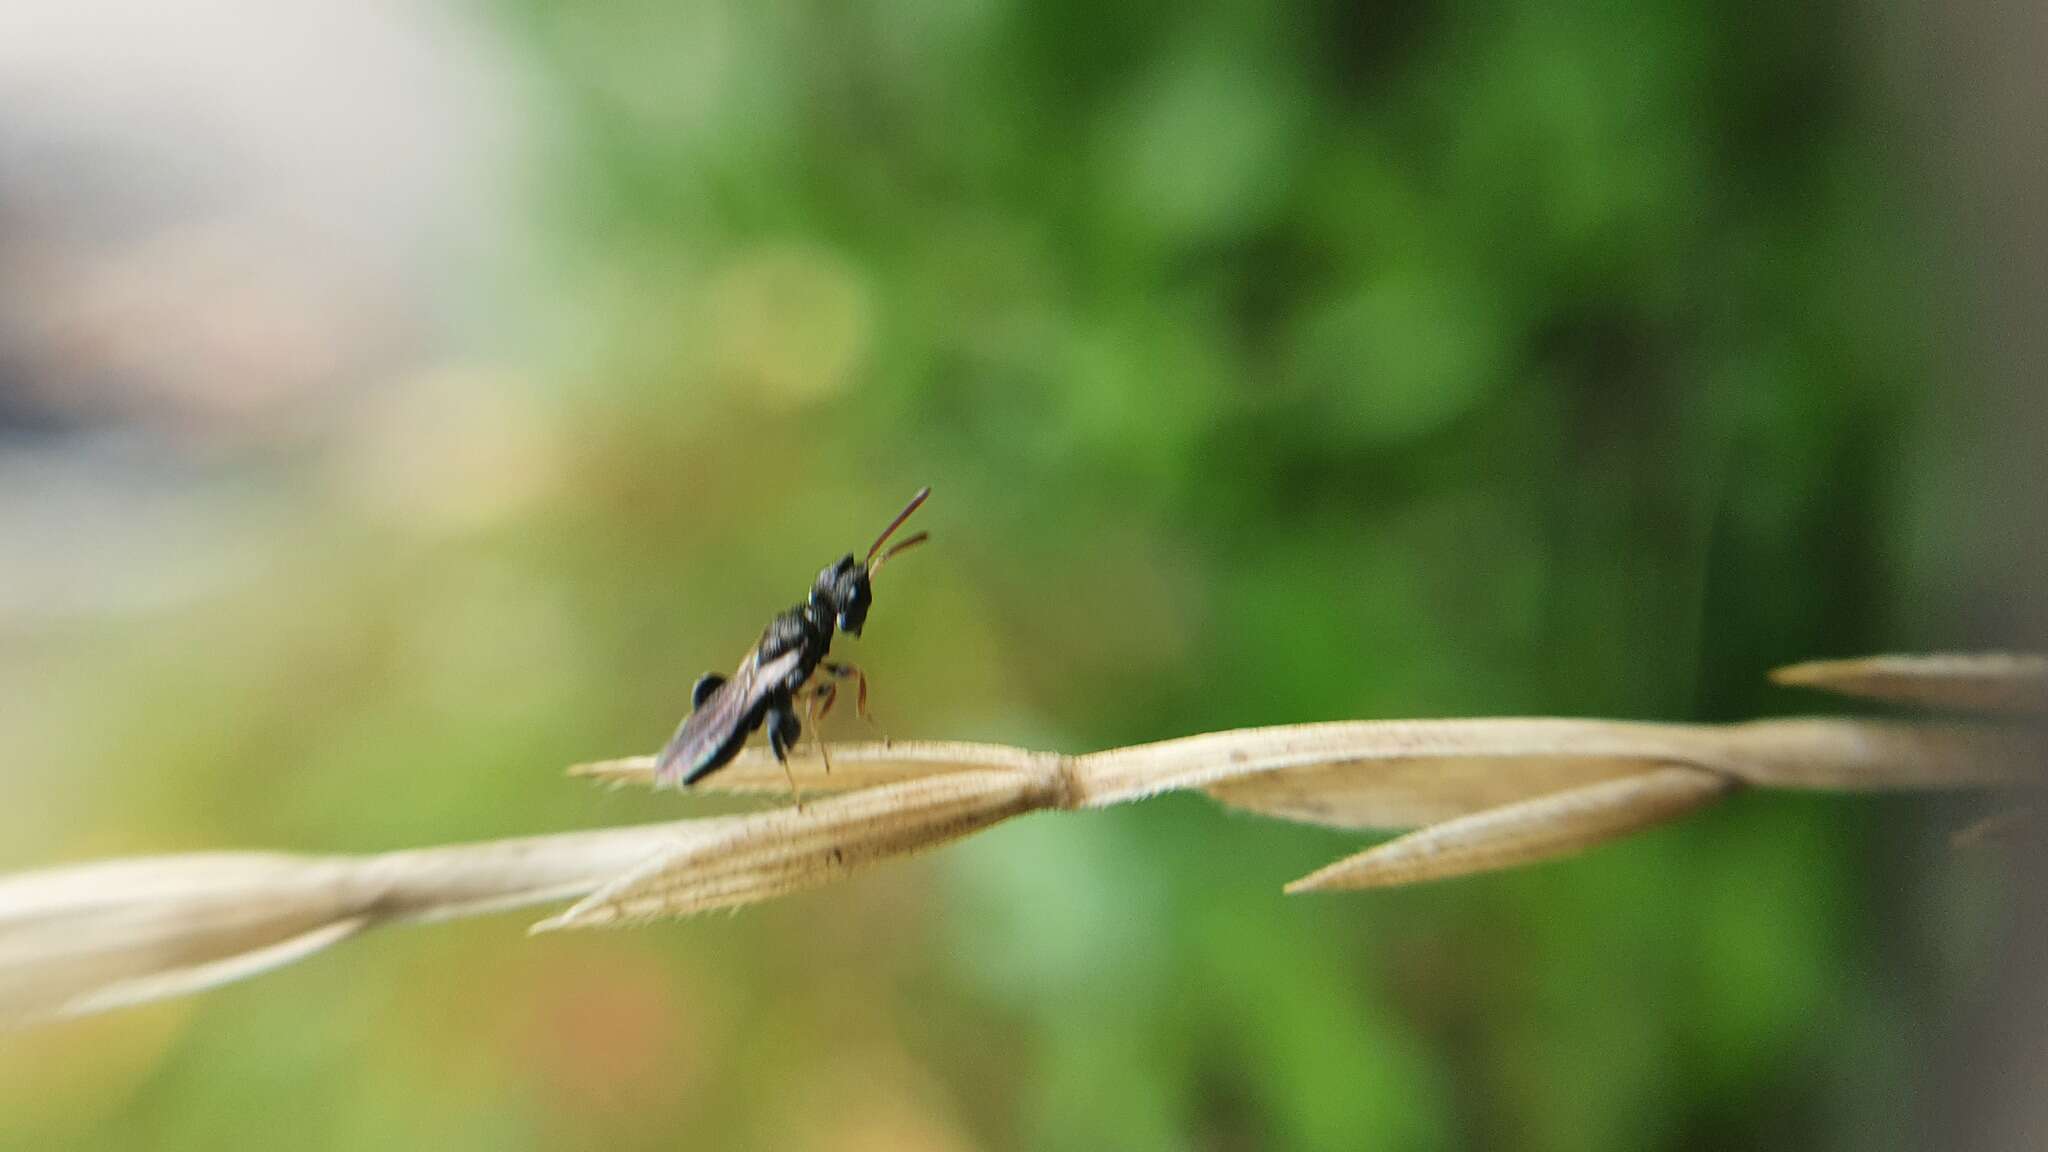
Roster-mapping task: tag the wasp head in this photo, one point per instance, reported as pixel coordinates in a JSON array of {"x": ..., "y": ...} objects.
[{"x": 843, "y": 592}]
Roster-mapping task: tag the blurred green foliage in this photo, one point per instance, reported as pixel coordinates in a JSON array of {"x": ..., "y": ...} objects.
[{"x": 1270, "y": 363}]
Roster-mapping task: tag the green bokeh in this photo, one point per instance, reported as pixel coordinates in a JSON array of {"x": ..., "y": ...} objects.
[{"x": 1270, "y": 363}]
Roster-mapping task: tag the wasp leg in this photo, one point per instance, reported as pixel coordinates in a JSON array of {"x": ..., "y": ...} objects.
[
  {"x": 825, "y": 695},
  {"x": 784, "y": 729},
  {"x": 706, "y": 684},
  {"x": 860, "y": 681},
  {"x": 814, "y": 712}
]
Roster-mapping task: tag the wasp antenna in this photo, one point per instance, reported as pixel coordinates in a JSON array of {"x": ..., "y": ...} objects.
[
  {"x": 898, "y": 521},
  {"x": 904, "y": 545}
]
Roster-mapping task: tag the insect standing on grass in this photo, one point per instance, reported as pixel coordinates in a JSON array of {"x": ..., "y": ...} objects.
[{"x": 776, "y": 674}]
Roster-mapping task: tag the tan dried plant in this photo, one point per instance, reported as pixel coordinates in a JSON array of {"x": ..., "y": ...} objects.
[{"x": 1482, "y": 795}]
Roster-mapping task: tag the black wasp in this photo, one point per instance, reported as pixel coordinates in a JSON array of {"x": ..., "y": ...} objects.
[{"x": 773, "y": 677}]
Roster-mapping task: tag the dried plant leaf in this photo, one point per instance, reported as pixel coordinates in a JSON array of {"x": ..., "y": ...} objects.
[
  {"x": 1534, "y": 830},
  {"x": 786, "y": 850},
  {"x": 2006, "y": 683}
]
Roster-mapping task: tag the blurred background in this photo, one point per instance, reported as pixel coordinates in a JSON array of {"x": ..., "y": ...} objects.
[{"x": 399, "y": 402}]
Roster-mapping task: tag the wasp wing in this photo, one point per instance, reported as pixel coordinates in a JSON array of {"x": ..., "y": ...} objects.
[{"x": 712, "y": 734}]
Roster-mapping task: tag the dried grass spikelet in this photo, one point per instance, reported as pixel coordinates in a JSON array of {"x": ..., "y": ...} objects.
[
  {"x": 1408, "y": 792},
  {"x": 2004, "y": 683},
  {"x": 1527, "y": 832},
  {"x": 2010, "y": 684},
  {"x": 774, "y": 853},
  {"x": 1352, "y": 774},
  {"x": 1401, "y": 773},
  {"x": 104, "y": 935},
  {"x": 854, "y": 766},
  {"x": 1997, "y": 828},
  {"x": 86, "y": 938},
  {"x": 1488, "y": 793}
]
